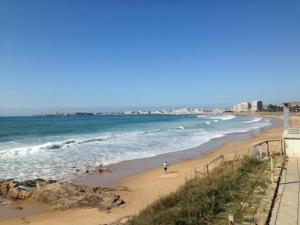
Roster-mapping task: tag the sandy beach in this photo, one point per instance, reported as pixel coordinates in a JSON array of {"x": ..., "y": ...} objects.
[
  {"x": 148, "y": 112},
  {"x": 143, "y": 187}
]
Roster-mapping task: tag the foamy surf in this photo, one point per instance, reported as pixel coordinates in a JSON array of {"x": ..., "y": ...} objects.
[
  {"x": 256, "y": 119},
  {"x": 221, "y": 117},
  {"x": 54, "y": 156}
]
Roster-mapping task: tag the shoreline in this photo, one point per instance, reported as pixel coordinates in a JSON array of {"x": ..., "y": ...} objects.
[
  {"x": 149, "y": 184},
  {"x": 125, "y": 168},
  {"x": 118, "y": 146}
]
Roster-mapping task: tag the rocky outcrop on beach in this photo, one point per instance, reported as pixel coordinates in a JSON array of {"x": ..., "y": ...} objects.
[
  {"x": 61, "y": 195},
  {"x": 70, "y": 196},
  {"x": 13, "y": 190}
]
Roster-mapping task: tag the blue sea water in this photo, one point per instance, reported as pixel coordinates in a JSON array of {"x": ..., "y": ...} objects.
[{"x": 54, "y": 147}]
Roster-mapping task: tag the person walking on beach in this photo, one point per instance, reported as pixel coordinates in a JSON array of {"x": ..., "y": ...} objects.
[{"x": 165, "y": 165}]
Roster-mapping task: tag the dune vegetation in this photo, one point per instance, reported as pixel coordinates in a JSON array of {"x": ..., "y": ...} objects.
[{"x": 235, "y": 187}]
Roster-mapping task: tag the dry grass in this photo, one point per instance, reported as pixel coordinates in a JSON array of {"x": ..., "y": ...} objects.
[{"x": 209, "y": 200}]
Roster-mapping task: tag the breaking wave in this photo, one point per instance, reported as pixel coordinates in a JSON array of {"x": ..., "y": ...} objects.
[
  {"x": 151, "y": 131},
  {"x": 221, "y": 117},
  {"x": 256, "y": 119},
  {"x": 55, "y": 156}
]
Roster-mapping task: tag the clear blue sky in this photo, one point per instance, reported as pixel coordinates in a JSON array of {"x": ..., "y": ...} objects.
[{"x": 94, "y": 54}]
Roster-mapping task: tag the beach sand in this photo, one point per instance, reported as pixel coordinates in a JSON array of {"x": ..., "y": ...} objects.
[{"x": 147, "y": 186}]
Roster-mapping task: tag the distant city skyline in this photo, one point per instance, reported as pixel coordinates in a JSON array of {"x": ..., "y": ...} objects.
[
  {"x": 112, "y": 110},
  {"x": 101, "y": 55},
  {"x": 38, "y": 111}
]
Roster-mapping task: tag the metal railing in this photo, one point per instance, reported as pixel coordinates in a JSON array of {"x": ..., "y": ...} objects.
[
  {"x": 265, "y": 148},
  {"x": 210, "y": 166},
  {"x": 293, "y": 130},
  {"x": 260, "y": 150}
]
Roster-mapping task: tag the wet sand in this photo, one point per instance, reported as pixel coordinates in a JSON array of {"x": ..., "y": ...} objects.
[
  {"x": 151, "y": 183},
  {"x": 21, "y": 210},
  {"x": 130, "y": 167}
]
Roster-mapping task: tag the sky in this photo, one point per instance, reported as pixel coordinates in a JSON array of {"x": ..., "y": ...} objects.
[{"x": 60, "y": 55}]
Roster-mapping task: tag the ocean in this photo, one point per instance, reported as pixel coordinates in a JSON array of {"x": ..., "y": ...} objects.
[{"x": 54, "y": 147}]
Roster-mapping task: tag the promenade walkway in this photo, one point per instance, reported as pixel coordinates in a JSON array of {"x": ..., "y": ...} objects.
[{"x": 286, "y": 209}]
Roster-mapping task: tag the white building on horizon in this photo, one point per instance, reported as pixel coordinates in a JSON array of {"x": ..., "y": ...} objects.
[
  {"x": 242, "y": 107},
  {"x": 181, "y": 111},
  {"x": 256, "y": 106}
]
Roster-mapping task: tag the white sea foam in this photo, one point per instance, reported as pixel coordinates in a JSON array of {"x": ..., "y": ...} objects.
[
  {"x": 57, "y": 159},
  {"x": 202, "y": 116},
  {"x": 254, "y": 120},
  {"x": 221, "y": 117},
  {"x": 23, "y": 151},
  {"x": 151, "y": 131}
]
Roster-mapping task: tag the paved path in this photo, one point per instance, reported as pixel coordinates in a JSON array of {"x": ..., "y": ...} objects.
[{"x": 286, "y": 210}]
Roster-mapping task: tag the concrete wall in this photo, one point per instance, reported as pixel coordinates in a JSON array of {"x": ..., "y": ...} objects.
[{"x": 292, "y": 147}]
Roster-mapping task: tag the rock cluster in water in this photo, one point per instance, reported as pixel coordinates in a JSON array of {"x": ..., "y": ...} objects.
[
  {"x": 99, "y": 170},
  {"x": 61, "y": 195}
]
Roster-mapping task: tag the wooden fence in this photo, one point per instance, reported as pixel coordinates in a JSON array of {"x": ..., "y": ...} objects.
[
  {"x": 210, "y": 166},
  {"x": 261, "y": 150}
]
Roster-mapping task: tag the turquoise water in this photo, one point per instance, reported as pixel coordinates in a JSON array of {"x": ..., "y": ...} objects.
[{"x": 53, "y": 147}]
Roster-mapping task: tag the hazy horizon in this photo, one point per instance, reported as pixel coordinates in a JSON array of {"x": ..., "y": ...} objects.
[{"x": 38, "y": 111}]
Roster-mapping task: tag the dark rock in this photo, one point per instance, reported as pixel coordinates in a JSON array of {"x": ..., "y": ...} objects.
[
  {"x": 31, "y": 183},
  {"x": 11, "y": 189},
  {"x": 110, "y": 200},
  {"x": 98, "y": 170}
]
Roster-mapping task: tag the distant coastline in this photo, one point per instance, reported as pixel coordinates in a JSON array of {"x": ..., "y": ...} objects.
[{"x": 181, "y": 111}]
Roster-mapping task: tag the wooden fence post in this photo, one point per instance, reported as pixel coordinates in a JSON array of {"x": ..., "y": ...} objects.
[
  {"x": 272, "y": 169},
  {"x": 268, "y": 151},
  {"x": 260, "y": 153},
  {"x": 254, "y": 151},
  {"x": 231, "y": 219},
  {"x": 207, "y": 171}
]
